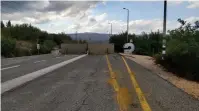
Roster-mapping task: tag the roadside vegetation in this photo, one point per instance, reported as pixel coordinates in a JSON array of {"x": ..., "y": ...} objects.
[
  {"x": 22, "y": 39},
  {"x": 182, "y": 48}
]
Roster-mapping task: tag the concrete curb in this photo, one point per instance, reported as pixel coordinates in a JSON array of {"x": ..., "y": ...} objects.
[{"x": 8, "y": 85}]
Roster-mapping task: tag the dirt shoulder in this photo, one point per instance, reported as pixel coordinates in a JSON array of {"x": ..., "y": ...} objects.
[{"x": 189, "y": 87}]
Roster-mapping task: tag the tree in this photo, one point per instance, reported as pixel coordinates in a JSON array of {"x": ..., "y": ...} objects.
[
  {"x": 182, "y": 22},
  {"x": 182, "y": 49},
  {"x": 2, "y": 24},
  {"x": 8, "y": 24},
  {"x": 7, "y": 47},
  {"x": 146, "y": 44},
  {"x": 196, "y": 24},
  {"x": 29, "y": 34},
  {"x": 47, "y": 46}
]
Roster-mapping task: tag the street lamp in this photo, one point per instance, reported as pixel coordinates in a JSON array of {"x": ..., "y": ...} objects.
[
  {"x": 111, "y": 28},
  {"x": 127, "y": 22},
  {"x": 108, "y": 33}
]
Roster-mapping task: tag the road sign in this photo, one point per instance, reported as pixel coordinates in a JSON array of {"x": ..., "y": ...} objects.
[
  {"x": 129, "y": 48},
  {"x": 164, "y": 41},
  {"x": 38, "y": 46},
  {"x": 163, "y": 52},
  {"x": 163, "y": 46}
]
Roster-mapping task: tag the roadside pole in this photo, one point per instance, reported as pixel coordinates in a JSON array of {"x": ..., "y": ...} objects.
[
  {"x": 38, "y": 47},
  {"x": 164, "y": 31}
]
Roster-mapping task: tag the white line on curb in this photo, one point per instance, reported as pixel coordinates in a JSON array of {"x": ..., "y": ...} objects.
[
  {"x": 10, "y": 67},
  {"x": 40, "y": 61},
  {"x": 8, "y": 85}
]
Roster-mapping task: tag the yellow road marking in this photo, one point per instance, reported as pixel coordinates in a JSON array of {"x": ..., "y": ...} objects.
[
  {"x": 115, "y": 84},
  {"x": 110, "y": 68},
  {"x": 122, "y": 94},
  {"x": 141, "y": 97}
]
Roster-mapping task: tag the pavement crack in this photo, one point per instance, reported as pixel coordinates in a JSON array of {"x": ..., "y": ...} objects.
[
  {"x": 82, "y": 104},
  {"x": 96, "y": 67},
  {"x": 115, "y": 57},
  {"x": 87, "y": 87}
]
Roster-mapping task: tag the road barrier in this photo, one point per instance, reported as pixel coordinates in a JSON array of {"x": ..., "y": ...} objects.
[
  {"x": 73, "y": 48},
  {"x": 92, "y": 48},
  {"x": 101, "y": 48}
]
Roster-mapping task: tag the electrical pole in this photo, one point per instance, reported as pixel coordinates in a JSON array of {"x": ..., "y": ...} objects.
[
  {"x": 111, "y": 28},
  {"x": 38, "y": 46},
  {"x": 76, "y": 37},
  {"x": 164, "y": 30},
  {"x": 127, "y": 23}
]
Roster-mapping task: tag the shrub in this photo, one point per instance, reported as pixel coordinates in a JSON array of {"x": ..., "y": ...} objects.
[
  {"x": 47, "y": 46},
  {"x": 7, "y": 47},
  {"x": 183, "y": 58},
  {"x": 158, "y": 58},
  {"x": 145, "y": 44},
  {"x": 182, "y": 55},
  {"x": 22, "y": 52}
]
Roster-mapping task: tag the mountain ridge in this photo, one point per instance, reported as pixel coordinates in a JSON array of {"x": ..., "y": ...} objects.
[{"x": 90, "y": 37}]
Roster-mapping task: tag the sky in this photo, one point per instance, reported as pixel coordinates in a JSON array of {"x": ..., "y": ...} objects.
[{"x": 95, "y": 16}]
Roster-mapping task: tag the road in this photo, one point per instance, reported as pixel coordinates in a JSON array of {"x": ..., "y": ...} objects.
[
  {"x": 83, "y": 85},
  {"x": 13, "y": 68}
]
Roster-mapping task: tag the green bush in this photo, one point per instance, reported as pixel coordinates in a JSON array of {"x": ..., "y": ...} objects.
[
  {"x": 158, "y": 58},
  {"x": 183, "y": 58},
  {"x": 145, "y": 44},
  {"x": 7, "y": 47},
  {"x": 47, "y": 46},
  {"x": 182, "y": 55},
  {"x": 32, "y": 35}
]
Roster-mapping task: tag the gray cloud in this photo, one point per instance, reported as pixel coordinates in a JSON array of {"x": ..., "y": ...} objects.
[
  {"x": 92, "y": 20},
  {"x": 43, "y": 6},
  {"x": 19, "y": 10},
  {"x": 12, "y": 6}
]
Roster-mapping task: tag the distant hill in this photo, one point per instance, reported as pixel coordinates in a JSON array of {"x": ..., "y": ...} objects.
[{"x": 91, "y": 37}]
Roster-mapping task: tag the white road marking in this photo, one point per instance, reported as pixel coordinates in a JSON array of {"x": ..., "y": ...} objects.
[
  {"x": 10, "y": 67},
  {"x": 40, "y": 61},
  {"x": 8, "y": 85},
  {"x": 57, "y": 57}
]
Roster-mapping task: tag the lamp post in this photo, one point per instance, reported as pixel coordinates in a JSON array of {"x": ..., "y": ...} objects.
[
  {"x": 111, "y": 28},
  {"x": 127, "y": 22}
]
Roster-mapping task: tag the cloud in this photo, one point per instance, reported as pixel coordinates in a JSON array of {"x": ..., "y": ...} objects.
[
  {"x": 175, "y": 2},
  {"x": 193, "y": 4},
  {"x": 69, "y": 17},
  {"x": 135, "y": 26},
  {"x": 44, "y": 11},
  {"x": 99, "y": 24},
  {"x": 192, "y": 19}
]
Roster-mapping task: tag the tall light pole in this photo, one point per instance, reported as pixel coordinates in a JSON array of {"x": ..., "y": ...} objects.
[
  {"x": 127, "y": 22},
  {"x": 164, "y": 30},
  {"x": 108, "y": 33},
  {"x": 76, "y": 38},
  {"x": 111, "y": 28}
]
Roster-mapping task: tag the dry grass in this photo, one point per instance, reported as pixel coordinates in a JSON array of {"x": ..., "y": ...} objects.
[
  {"x": 24, "y": 44},
  {"x": 189, "y": 87}
]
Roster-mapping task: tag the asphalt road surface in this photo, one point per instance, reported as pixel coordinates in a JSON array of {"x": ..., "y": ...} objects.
[
  {"x": 83, "y": 86},
  {"x": 13, "y": 68}
]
